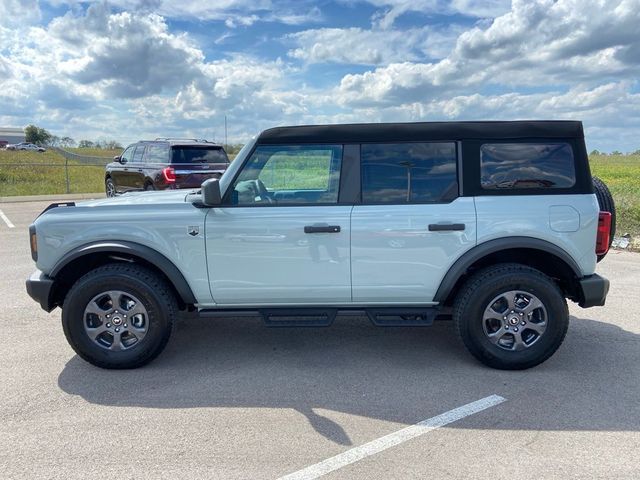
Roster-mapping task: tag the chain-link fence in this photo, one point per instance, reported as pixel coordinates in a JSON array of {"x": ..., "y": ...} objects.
[{"x": 52, "y": 172}]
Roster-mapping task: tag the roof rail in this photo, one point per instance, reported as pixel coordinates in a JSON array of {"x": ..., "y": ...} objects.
[{"x": 184, "y": 139}]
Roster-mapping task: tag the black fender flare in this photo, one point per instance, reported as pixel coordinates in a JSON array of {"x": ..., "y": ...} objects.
[
  {"x": 148, "y": 254},
  {"x": 461, "y": 265}
]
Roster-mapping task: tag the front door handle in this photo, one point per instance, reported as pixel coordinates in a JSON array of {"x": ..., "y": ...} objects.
[
  {"x": 446, "y": 227},
  {"x": 322, "y": 229}
]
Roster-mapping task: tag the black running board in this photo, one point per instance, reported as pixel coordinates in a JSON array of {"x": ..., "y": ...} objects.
[
  {"x": 324, "y": 317},
  {"x": 402, "y": 317}
]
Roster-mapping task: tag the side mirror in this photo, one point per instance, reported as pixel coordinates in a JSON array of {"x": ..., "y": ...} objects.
[
  {"x": 118, "y": 159},
  {"x": 211, "y": 196}
]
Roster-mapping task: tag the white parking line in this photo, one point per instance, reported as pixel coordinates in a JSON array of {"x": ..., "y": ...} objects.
[
  {"x": 376, "y": 446},
  {"x": 6, "y": 220}
]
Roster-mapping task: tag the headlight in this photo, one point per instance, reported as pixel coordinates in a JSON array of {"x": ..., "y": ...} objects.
[{"x": 33, "y": 240}]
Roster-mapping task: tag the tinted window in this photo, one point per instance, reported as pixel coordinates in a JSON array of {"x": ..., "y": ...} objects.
[
  {"x": 290, "y": 174},
  {"x": 157, "y": 154},
  {"x": 408, "y": 172},
  {"x": 526, "y": 165},
  {"x": 137, "y": 155},
  {"x": 193, "y": 154}
]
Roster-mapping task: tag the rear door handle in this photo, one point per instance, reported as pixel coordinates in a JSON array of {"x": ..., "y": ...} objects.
[
  {"x": 322, "y": 229},
  {"x": 446, "y": 227}
]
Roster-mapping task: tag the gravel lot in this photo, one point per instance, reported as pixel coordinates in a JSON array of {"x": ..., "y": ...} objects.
[{"x": 230, "y": 398}]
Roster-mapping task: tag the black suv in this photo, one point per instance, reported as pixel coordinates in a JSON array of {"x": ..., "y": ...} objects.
[{"x": 165, "y": 163}]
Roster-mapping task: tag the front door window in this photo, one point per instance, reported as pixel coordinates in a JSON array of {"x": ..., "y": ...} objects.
[{"x": 289, "y": 175}]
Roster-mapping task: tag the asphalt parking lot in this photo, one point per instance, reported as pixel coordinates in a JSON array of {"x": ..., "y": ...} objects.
[{"x": 230, "y": 398}]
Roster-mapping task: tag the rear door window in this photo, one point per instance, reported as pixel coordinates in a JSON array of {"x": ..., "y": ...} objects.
[
  {"x": 396, "y": 173},
  {"x": 198, "y": 154},
  {"x": 526, "y": 166}
]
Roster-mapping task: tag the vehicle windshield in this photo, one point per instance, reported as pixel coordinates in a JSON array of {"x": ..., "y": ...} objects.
[
  {"x": 198, "y": 154},
  {"x": 230, "y": 173}
]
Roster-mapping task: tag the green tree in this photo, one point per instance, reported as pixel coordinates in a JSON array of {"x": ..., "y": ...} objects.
[
  {"x": 67, "y": 142},
  {"x": 595, "y": 152},
  {"x": 86, "y": 144},
  {"x": 616, "y": 152},
  {"x": 233, "y": 149},
  {"x": 37, "y": 135},
  {"x": 108, "y": 145}
]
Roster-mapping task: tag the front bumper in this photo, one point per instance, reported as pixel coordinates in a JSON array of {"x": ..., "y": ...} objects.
[
  {"x": 593, "y": 291},
  {"x": 39, "y": 287}
]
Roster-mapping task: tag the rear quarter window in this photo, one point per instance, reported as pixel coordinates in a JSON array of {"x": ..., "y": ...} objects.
[
  {"x": 157, "y": 154},
  {"x": 505, "y": 166}
]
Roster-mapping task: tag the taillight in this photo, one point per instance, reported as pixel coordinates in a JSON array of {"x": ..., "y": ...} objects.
[
  {"x": 604, "y": 232},
  {"x": 169, "y": 174}
]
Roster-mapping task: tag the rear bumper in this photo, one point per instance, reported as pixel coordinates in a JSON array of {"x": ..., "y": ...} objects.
[
  {"x": 39, "y": 288},
  {"x": 593, "y": 291}
]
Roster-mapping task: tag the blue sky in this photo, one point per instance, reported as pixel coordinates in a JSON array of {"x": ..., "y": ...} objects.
[{"x": 130, "y": 69}]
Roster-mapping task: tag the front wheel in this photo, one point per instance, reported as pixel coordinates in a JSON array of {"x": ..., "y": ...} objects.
[
  {"x": 511, "y": 316},
  {"x": 119, "y": 316},
  {"x": 110, "y": 188}
]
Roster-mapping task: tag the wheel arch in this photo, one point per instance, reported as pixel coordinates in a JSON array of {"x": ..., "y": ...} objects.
[
  {"x": 536, "y": 253},
  {"x": 84, "y": 258}
]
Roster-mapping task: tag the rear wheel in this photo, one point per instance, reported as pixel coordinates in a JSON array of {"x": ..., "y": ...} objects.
[
  {"x": 119, "y": 316},
  {"x": 149, "y": 186},
  {"x": 606, "y": 204},
  {"x": 511, "y": 316}
]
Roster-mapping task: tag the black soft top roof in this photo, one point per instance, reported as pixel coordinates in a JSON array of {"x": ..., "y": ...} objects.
[{"x": 422, "y": 131}]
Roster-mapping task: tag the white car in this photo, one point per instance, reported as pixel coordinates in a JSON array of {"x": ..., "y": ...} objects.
[
  {"x": 493, "y": 224},
  {"x": 30, "y": 147}
]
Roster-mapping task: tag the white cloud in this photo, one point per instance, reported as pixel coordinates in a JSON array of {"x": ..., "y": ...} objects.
[
  {"x": 19, "y": 12},
  {"x": 371, "y": 47},
  {"x": 391, "y": 10},
  {"x": 526, "y": 47},
  {"x": 233, "y": 12},
  {"x": 125, "y": 55}
]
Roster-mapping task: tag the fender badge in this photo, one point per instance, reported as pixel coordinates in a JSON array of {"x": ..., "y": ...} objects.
[{"x": 193, "y": 230}]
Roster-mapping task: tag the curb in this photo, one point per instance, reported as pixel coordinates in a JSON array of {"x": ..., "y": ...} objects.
[{"x": 52, "y": 198}]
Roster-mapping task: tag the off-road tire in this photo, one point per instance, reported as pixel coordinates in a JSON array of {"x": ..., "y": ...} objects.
[
  {"x": 606, "y": 203},
  {"x": 474, "y": 297},
  {"x": 155, "y": 295}
]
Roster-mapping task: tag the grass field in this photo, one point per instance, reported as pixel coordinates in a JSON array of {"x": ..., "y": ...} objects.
[
  {"x": 95, "y": 152},
  {"x": 32, "y": 173},
  {"x": 621, "y": 173}
]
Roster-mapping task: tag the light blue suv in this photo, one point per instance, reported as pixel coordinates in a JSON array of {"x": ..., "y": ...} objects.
[{"x": 495, "y": 224}]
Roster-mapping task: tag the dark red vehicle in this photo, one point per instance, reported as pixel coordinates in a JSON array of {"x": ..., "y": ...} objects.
[{"x": 165, "y": 163}]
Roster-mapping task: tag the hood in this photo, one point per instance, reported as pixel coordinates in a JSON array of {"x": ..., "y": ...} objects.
[{"x": 139, "y": 198}]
